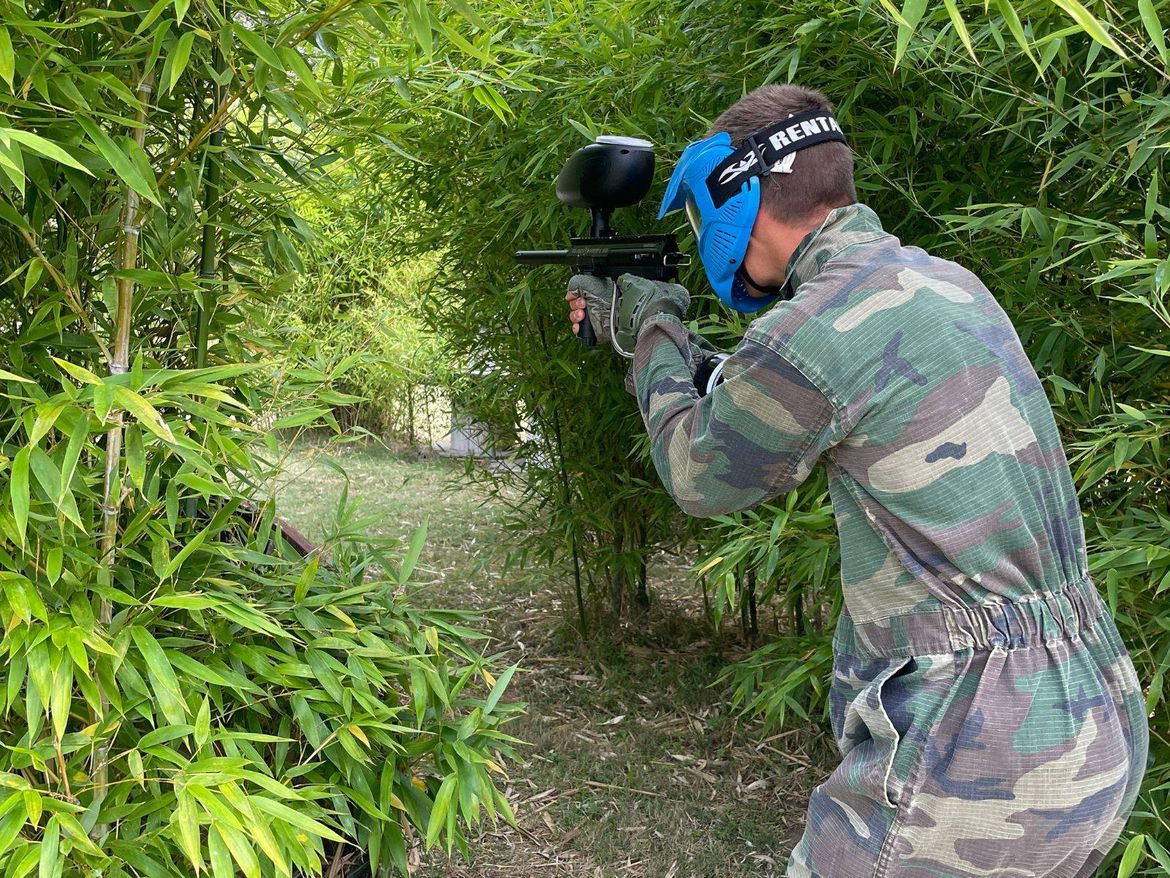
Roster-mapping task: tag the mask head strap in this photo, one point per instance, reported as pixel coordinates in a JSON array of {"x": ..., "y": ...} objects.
[{"x": 765, "y": 151}]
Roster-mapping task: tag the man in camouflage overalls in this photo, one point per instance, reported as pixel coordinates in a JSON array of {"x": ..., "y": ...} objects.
[{"x": 989, "y": 718}]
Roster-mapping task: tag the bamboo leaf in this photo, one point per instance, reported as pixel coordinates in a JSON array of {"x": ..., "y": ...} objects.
[
  {"x": 54, "y": 563},
  {"x": 912, "y": 11},
  {"x": 894, "y": 14},
  {"x": 412, "y": 554},
  {"x": 178, "y": 59},
  {"x": 960, "y": 27},
  {"x": 1017, "y": 31},
  {"x": 14, "y": 590},
  {"x": 18, "y": 491},
  {"x": 146, "y": 413},
  {"x": 257, "y": 45},
  {"x": 35, "y": 268},
  {"x": 306, "y": 579},
  {"x": 156, "y": 11},
  {"x": 203, "y": 724},
  {"x": 498, "y": 689},
  {"x": 301, "y": 418},
  {"x": 44, "y": 147},
  {"x": 196, "y": 542},
  {"x": 50, "y": 862},
  {"x": 220, "y": 857},
  {"x": 47, "y": 414},
  {"x": 1154, "y": 28},
  {"x": 1090, "y": 24},
  {"x": 420, "y": 693},
  {"x": 72, "y": 830},
  {"x": 80, "y": 373},
  {"x": 73, "y": 449},
  {"x": 61, "y": 698},
  {"x": 1159, "y": 852},
  {"x": 419, "y": 17},
  {"x": 10, "y": 216},
  {"x": 293, "y": 60},
  {"x": 261, "y": 833},
  {"x": 295, "y": 818},
  {"x": 12, "y": 163},
  {"x": 7, "y": 57},
  {"x": 240, "y": 849},
  {"x": 464, "y": 9},
  {"x": 137, "y": 770},
  {"x": 204, "y": 486},
  {"x": 186, "y": 820},
  {"x": 1131, "y": 857},
  {"x": 162, "y": 675},
  {"x": 34, "y": 807},
  {"x": 122, "y": 164},
  {"x": 135, "y": 456},
  {"x": 439, "y": 809},
  {"x": 103, "y": 400}
]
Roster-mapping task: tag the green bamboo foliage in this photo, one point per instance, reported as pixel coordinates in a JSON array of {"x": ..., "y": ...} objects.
[
  {"x": 357, "y": 294},
  {"x": 1024, "y": 138},
  {"x": 180, "y": 691}
]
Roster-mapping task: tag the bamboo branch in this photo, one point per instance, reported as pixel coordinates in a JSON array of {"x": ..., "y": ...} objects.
[
  {"x": 72, "y": 299},
  {"x": 132, "y": 220}
]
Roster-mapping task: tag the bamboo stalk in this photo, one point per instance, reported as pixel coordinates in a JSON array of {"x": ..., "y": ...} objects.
[
  {"x": 209, "y": 238},
  {"x": 208, "y": 243},
  {"x": 132, "y": 219},
  {"x": 617, "y": 573},
  {"x": 642, "y": 596},
  {"x": 568, "y": 493},
  {"x": 209, "y": 256}
]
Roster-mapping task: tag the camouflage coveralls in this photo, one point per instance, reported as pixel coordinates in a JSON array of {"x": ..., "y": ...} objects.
[{"x": 988, "y": 715}]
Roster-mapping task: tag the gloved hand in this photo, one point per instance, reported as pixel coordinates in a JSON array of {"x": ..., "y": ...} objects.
[
  {"x": 639, "y": 300},
  {"x": 595, "y": 294}
]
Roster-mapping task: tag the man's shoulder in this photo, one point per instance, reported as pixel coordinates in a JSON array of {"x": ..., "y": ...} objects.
[
  {"x": 843, "y": 323},
  {"x": 860, "y": 285}
]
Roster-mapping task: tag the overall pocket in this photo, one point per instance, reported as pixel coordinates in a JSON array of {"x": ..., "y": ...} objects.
[{"x": 873, "y": 736}]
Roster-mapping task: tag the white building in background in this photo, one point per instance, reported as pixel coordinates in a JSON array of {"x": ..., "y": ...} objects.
[{"x": 470, "y": 438}]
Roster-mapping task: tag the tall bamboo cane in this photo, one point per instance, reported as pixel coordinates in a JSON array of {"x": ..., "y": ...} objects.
[
  {"x": 132, "y": 219},
  {"x": 568, "y": 493},
  {"x": 209, "y": 243},
  {"x": 208, "y": 258},
  {"x": 208, "y": 248}
]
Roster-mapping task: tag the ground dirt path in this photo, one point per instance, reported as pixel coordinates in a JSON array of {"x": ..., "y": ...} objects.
[{"x": 634, "y": 764}]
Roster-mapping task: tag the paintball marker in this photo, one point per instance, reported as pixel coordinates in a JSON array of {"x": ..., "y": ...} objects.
[{"x": 609, "y": 173}]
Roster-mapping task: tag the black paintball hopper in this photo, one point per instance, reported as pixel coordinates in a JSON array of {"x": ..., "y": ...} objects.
[{"x": 609, "y": 173}]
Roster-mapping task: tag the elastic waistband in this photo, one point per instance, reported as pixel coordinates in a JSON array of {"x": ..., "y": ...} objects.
[{"x": 1041, "y": 618}]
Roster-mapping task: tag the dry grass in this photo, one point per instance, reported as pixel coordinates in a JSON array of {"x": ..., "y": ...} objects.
[{"x": 634, "y": 765}]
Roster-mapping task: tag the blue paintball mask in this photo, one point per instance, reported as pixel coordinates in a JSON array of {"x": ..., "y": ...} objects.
[{"x": 718, "y": 184}]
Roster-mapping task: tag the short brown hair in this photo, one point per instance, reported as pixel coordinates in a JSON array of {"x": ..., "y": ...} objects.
[{"x": 822, "y": 175}]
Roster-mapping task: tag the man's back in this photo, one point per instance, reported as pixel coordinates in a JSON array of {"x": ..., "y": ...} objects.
[{"x": 949, "y": 481}]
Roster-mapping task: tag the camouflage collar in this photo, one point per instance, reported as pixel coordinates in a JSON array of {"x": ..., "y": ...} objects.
[{"x": 844, "y": 227}]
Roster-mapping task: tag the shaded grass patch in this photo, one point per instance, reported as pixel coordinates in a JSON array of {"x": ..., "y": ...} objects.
[{"x": 634, "y": 763}]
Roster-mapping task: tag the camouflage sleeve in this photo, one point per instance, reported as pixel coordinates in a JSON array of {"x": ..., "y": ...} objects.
[
  {"x": 754, "y": 436},
  {"x": 697, "y": 350}
]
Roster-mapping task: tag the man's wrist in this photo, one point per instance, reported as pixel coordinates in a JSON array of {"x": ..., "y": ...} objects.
[
  {"x": 657, "y": 307},
  {"x": 671, "y": 326}
]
